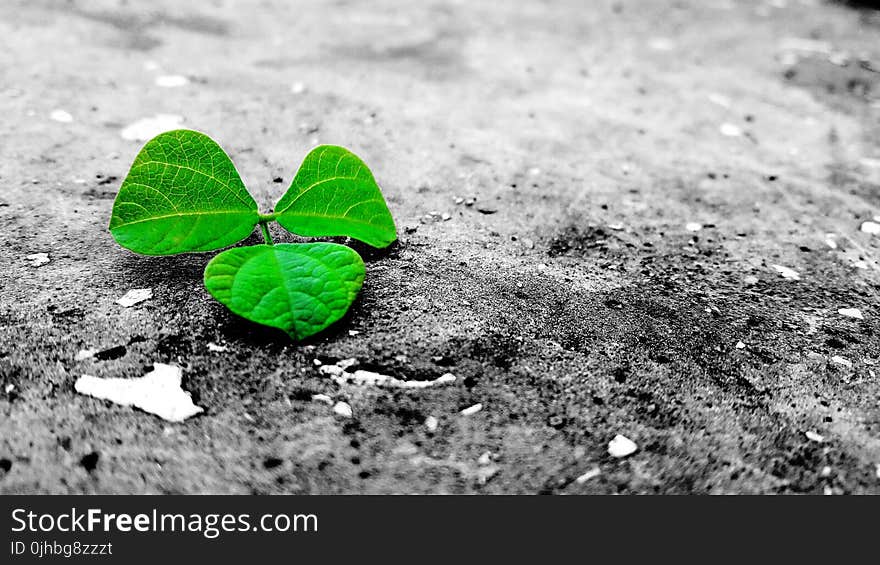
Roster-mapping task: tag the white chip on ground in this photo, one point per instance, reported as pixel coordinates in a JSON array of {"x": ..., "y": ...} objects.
[
  {"x": 841, "y": 361},
  {"x": 485, "y": 458},
  {"x": 471, "y": 410},
  {"x": 730, "y": 130},
  {"x": 9, "y": 388},
  {"x": 787, "y": 273},
  {"x": 343, "y": 409},
  {"x": 135, "y": 296},
  {"x": 213, "y": 347},
  {"x": 851, "y": 313},
  {"x": 740, "y": 345},
  {"x": 171, "y": 81},
  {"x": 322, "y": 398},
  {"x": 591, "y": 474},
  {"x": 37, "y": 259},
  {"x": 158, "y": 392},
  {"x": 85, "y": 354},
  {"x": 621, "y": 446},
  {"x": 431, "y": 423},
  {"x": 872, "y": 228},
  {"x": 750, "y": 280},
  {"x": 831, "y": 240},
  {"x": 148, "y": 128},
  {"x": 297, "y": 88},
  {"x": 615, "y": 227},
  {"x": 693, "y": 226},
  {"x": 362, "y": 377},
  {"x": 814, "y": 436},
  {"x": 61, "y": 116}
]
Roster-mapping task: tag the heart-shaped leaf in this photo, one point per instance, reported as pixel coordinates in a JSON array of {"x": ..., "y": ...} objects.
[
  {"x": 334, "y": 194},
  {"x": 182, "y": 195},
  {"x": 299, "y": 288}
]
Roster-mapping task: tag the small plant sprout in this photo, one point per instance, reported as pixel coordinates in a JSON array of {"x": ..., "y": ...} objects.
[{"x": 184, "y": 195}]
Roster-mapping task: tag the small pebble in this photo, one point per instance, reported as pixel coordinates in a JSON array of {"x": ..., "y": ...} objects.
[
  {"x": 213, "y": 347},
  {"x": 740, "y": 345},
  {"x": 786, "y": 273},
  {"x": 322, "y": 398},
  {"x": 813, "y": 436},
  {"x": 872, "y": 228},
  {"x": 841, "y": 361},
  {"x": 431, "y": 423},
  {"x": 297, "y": 88},
  {"x": 693, "y": 226},
  {"x": 61, "y": 116},
  {"x": 730, "y": 130},
  {"x": 621, "y": 446},
  {"x": 851, "y": 313},
  {"x": 135, "y": 296},
  {"x": 37, "y": 259},
  {"x": 343, "y": 409},
  {"x": 471, "y": 410},
  {"x": 591, "y": 474},
  {"x": 751, "y": 280},
  {"x": 171, "y": 81}
]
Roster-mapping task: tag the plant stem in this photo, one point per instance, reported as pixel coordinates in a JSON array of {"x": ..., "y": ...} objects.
[{"x": 266, "y": 235}]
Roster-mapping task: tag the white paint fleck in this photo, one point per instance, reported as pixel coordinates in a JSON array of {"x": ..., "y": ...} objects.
[
  {"x": 361, "y": 377},
  {"x": 322, "y": 398},
  {"x": 85, "y": 354},
  {"x": 37, "y": 259},
  {"x": 135, "y": 296},
  {"x": 730, "y": 130},
  {"x": 353, "y": 333},
  {"x": 693, "y": 226},
  {"x": 148, "y": 128},
  {"x": 9, "y": 388},
  {"x": 61, "y": 116},
  {"x": 431, "y": 423},
  {"x": 787, "y": 273},
  {"x": 621, "y": 446},
  {"x": 591, "y": 474},
  {"x": 471, "y": 410},
  {"x": 171, "y": 81},
  {"x": 158, "y": 392},
  {"x": 297, "y": 88},
  {"x": 214, "y": 348},
  {"x": 343, "y": 409},
  {"x": 841, "y": 361},
  {"x": 872, "y": 228},
  {"x": 851, "y": 313},
  {"x": 740, "y": 345},
  {"x": 814, "y": 436},
  {"x": 831, "y": 240}
]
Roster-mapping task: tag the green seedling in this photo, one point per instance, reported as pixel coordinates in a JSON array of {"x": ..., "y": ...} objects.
[{"x": 184, "y": 195}]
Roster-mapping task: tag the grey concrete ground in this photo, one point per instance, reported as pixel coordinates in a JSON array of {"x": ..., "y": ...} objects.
[{"x": 571, "y": 299}]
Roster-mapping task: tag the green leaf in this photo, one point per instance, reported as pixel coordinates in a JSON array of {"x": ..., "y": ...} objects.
[
  {"x": 299, "y": 288},
  {"x": 182, "y": 195},
  {"x": 334, "y": 193}
]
